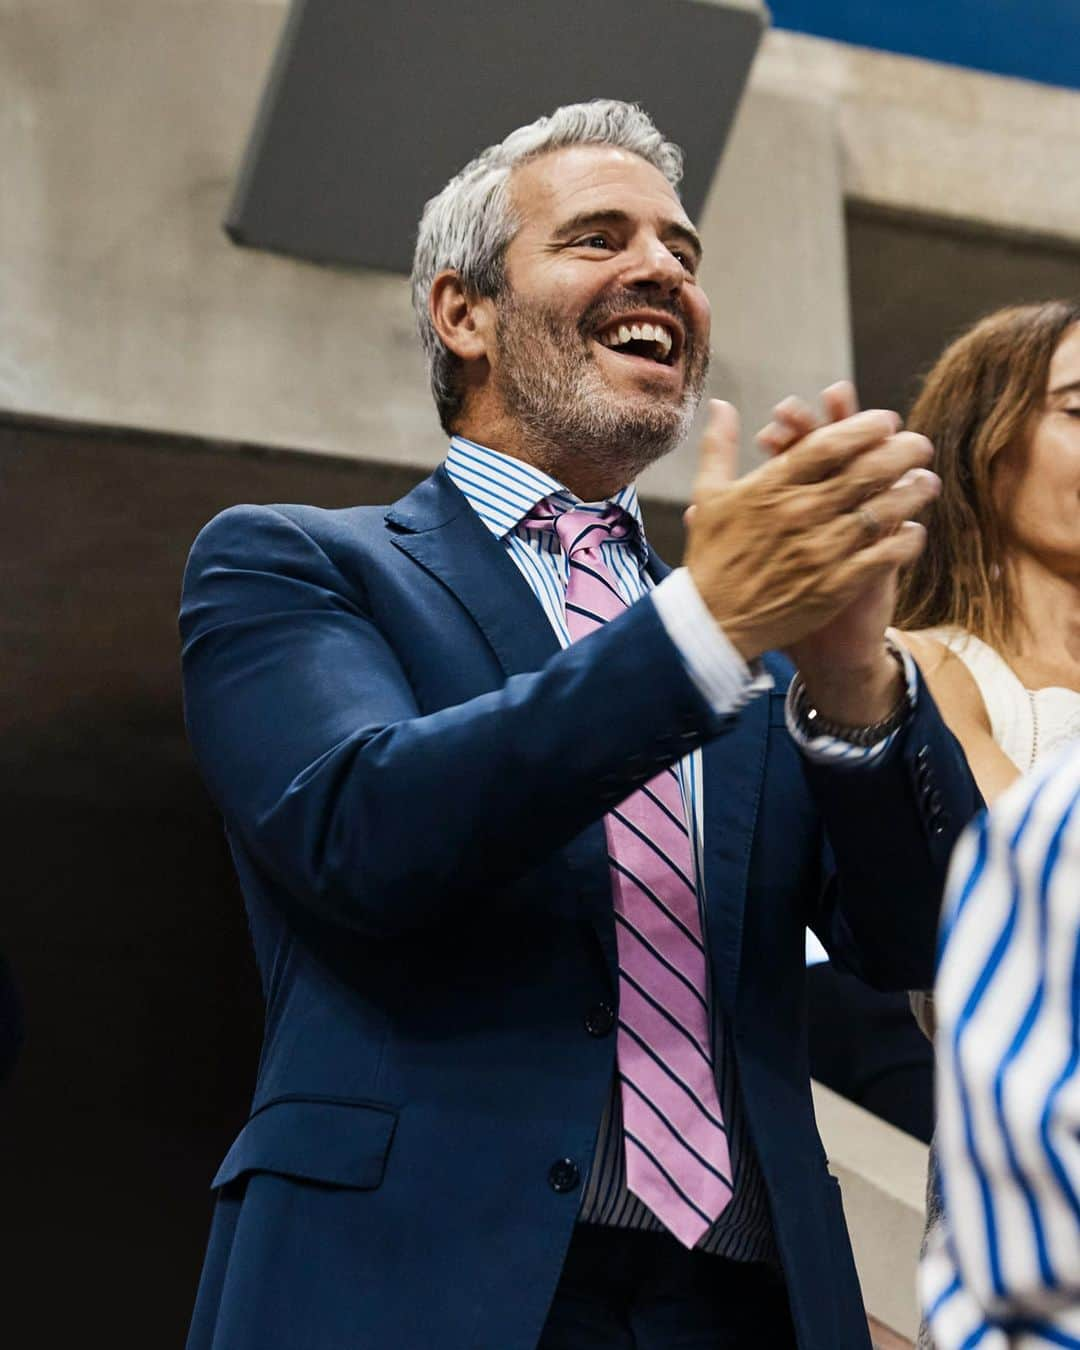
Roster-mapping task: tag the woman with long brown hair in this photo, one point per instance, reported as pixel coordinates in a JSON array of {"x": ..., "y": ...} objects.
[
  {"x": 1001, "y": 569},
  {"x": 991, "y": 610}
]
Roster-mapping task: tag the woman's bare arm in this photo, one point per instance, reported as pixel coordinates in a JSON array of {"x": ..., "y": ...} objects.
[{"x": 961, "y": 705}]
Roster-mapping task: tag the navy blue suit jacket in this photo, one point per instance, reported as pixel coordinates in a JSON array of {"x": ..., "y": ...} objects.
[{"x": 413, "y": 778}]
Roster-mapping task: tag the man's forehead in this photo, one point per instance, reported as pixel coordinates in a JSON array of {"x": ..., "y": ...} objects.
[{"x": 573, "y": 180}]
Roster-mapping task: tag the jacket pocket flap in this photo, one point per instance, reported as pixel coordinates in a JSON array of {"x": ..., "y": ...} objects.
[{"x": 335, "y": 1142}]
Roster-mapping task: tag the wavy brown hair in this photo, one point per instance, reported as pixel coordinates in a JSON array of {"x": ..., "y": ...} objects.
[{"x": 981, "y": 398}]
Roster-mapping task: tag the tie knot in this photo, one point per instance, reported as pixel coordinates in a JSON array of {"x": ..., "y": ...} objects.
[{"x": 578, "y": 529}]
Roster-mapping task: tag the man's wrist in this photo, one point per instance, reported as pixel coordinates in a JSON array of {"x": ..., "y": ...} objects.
[
  {"x": 857, "y": 697},
  {"x": 745, "y": 642},
  {"x": 715, "y": 665},
  {"x": 845, "y": 745}
]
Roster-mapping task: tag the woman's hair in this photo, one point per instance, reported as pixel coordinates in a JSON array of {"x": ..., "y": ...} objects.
[
  {"x": 981, "y": 398},
  {"x": 469, "y": 225}
]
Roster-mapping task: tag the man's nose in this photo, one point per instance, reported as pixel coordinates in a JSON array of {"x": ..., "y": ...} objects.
[{"x": 653, "y": 264}]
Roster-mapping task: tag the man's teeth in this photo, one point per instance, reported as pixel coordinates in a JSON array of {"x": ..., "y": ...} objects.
[{"x": 621, "y": 334}]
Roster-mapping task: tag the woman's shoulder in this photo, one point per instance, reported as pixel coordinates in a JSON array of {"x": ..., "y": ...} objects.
[
  {"x": 946, "y": 645},
  {"x": 982, "y": 701},
  {"x": 926, "y": 642},
  {"x": 932, "y": 648},
  {"x": 943, "y": 656}
]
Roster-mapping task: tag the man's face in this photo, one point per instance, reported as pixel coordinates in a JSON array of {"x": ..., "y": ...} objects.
[{"x": 602, "y": 332}]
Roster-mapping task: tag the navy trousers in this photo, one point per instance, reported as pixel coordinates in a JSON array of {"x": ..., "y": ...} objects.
[{"x": 624, "y": 1290}]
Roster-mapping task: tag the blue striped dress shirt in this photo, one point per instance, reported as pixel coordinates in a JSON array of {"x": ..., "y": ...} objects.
[
  {"x": 502, "y": 491},
  {"x": 1005, "y": 1270}
]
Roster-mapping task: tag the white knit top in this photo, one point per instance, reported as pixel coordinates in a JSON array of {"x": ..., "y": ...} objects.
[{"x": 1026, "y": 723}]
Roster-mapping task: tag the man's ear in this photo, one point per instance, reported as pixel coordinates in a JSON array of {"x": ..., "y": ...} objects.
[{"x": 464, "y": 322}]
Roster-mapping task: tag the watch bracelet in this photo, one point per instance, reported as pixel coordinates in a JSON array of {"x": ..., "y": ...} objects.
[{"x": 812, "y": 724}]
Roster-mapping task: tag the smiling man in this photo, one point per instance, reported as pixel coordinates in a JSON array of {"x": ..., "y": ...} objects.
[
  {"x": 530, "y": 827},
  {"x": 571, "y": 367}
]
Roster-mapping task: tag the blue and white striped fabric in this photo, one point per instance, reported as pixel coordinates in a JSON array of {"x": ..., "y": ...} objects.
[
  {"x": 502, "y": 491},
  {"x": 1006, "y": 1270}
]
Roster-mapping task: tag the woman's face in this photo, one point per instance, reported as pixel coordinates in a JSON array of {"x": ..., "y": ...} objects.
[{"x": 1038, "y": 490}]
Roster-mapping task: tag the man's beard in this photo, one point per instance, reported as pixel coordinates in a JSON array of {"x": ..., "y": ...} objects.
[{"x": 551, "y": 385}]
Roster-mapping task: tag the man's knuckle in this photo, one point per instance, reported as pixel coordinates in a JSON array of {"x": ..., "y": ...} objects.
[{"x": 915, "y": 444}]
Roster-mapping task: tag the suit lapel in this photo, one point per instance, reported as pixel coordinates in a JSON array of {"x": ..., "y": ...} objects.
[
  {"x": 656, "y": 568},
  {"x": 437, "y": 528},
  {"x": 733, "y": 767}
]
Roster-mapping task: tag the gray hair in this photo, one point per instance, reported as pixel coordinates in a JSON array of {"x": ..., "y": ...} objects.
[{"x": 470, "y": 224}]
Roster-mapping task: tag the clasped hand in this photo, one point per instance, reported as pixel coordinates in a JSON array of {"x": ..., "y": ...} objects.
[{"x": 802, "y": 553}]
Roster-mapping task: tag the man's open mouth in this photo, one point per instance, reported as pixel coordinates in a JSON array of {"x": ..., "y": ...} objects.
[{"x": 653, "y": 341}]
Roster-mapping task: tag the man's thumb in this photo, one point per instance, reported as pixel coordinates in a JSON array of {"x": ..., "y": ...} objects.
[{"x": 719, "y": 449}]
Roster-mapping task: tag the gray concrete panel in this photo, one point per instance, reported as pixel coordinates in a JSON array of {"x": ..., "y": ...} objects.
[
  {"x": 122, "y": 301},
  {"x": 370, "y": 109}
]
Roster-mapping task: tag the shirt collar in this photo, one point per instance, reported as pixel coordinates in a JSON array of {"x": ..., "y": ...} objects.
[{"x": 503, "y": 490}]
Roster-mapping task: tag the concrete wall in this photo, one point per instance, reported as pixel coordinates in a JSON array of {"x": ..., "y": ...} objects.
[
  {"x": 918, "y": 136},
  {"x": 122, "y": 302}
]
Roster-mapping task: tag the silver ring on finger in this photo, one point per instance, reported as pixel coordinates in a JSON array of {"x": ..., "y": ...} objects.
[{"x": 868, "y": 519}]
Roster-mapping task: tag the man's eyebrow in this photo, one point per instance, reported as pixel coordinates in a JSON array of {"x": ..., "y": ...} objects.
[
  {"x": 1069, "y": 388},
  {"x": 613, "y": 216}
]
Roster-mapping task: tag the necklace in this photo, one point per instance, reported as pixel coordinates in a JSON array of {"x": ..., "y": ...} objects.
[{"x": 1034, "y": 728}]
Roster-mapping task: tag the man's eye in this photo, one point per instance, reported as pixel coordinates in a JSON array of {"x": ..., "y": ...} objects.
[
  {"x": 595, "y": 241},
  {"x": 687, "y": 259}
]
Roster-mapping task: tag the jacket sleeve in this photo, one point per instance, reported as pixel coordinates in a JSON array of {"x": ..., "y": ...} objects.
[
  {"x": 891, "y": 828},
  {"x": 372, "y": 814}
]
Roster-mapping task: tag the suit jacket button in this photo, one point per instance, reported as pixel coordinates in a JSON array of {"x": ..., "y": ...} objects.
[
  {"x": 600, "y": 1019},
  {"x": 564, "y": 1176}
]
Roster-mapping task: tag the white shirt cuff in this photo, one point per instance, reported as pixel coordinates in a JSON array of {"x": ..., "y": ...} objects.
[
  {"x": 816, "y": 955},
  {"x": 724, "y": 679},
  {"x": 833, "y": 749}
]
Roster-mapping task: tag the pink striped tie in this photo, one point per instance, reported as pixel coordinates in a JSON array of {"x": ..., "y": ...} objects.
[{"x": 676, "y": 1145}]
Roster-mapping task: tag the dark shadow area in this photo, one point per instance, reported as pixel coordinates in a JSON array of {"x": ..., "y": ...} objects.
[
  {"x": 121, "y": 918},
  {"x": 916, "y": 282}
]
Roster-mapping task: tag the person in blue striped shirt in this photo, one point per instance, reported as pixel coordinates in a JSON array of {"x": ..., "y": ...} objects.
[
  {"x": 530, "y": 826},
  {"x": 1003, "y": 1273}
]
